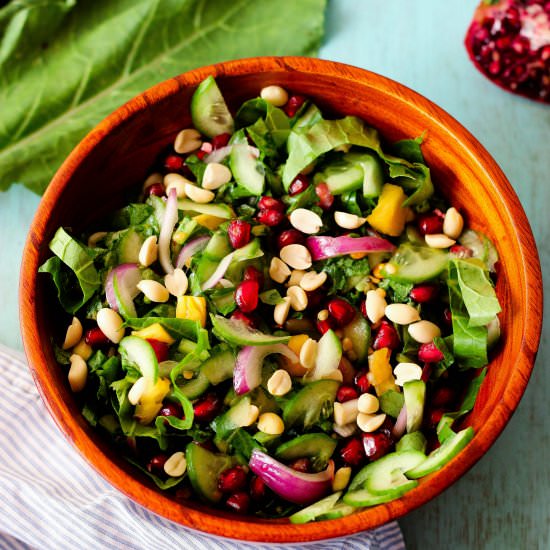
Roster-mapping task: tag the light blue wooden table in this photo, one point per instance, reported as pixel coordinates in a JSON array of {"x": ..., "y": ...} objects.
[{"x": 502, "y": 503}]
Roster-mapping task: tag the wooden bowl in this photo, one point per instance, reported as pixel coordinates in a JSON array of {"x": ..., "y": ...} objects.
[{"x": 117, "y": 155}]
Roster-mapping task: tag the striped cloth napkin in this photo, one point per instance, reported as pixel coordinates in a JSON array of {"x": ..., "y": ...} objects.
[{"x": 50, "y": 498}]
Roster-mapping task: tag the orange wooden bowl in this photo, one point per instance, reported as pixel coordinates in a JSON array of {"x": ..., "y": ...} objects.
[{"x": 117, "y": 154}]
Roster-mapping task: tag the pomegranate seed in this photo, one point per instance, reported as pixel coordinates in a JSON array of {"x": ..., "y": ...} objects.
[
  {"x": 376, "y": 445},
  {"x": 271, "y": 218},
  {"x": 353, "y": 452},
  {"x": 246, "y": 295},
  {"x": 447, "y": 316},
  {"x": 207, "y": 408},
  {"x": 94, "y": 337},
  {"x": 301, "y": 465},
  {"x": 269, "y": 203},
  {"x": 443, "y": 397},
  {"x": 239, "y": 502},
  {"x": 323, "y": 326},
  {"x": 173, "y": 163},
  {"x": 221, "y": 140},
  {"x": 341, "y": 311},
  {"x": 362, "y": 382},
  {"x": 238, "y": 233},
  {"x": 293, "y": 104},
  {"x": 299, "y": 184},
  {"x": 461, "y": 251},
  {"x": 253, "y": 274},
  {"x": 240, "y": 316},
  {"x": 290, "y": 236},
  {"x": 429, "y": 353},
  {"x": 157, "y": 189},
  {"x": 171, "y": 409},
  {"x": 258, "y": 489},
  {"x": 326, "y": 198},
  {"x": 160, "y": 349},
  {"x": 346, "y": 393},
  {"x": 424, "y": 293},
  {"x": 156, "y": 464},
  {"x": 386, "y": 336},
  {"x": 363, "y": 308},
  {"x": 429, "y": 223},
  {"x": 232, "y": 480},
  {"x": 201, "y": 154}
]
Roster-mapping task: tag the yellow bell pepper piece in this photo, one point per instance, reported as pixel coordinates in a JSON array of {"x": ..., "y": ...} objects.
[
  {"x": 150, "y": 402},
  {"x": 154, "y": 332},
  {"x": 211, "y": 222},
  {"x": 389, "y": 215},
  {"x": 380, "y": 371},
  {"x": 192, "y": 307},
  {"x": 296, "y": 342}
]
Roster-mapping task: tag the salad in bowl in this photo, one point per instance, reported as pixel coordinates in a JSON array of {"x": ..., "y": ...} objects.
[{"x": 286, "y": 319}]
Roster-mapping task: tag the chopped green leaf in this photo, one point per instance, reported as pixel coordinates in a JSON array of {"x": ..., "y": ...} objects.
[{"x": 69, "y": 252}]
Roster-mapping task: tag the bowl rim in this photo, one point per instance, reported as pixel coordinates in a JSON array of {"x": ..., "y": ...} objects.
[{"x": 275, "y": 530}]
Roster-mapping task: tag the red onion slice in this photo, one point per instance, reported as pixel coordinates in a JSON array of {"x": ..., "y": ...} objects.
[
  {"x": 167, "y": 228},
  {"x": 297, "y": 487},
  {"x": 190, "y": 249},
  {"x": 324, "y": 247},
  {"x": 219, "y": 273},
  {"x": 127, "y": 277},
  {"x": 400, "y": 424},
  {"x": 247, "y": 374}
]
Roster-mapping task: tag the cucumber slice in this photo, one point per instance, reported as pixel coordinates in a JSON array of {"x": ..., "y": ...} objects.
[
  {"x": 219, "y": 367},
  {"x": 195, "y": 387},
  {"x": 373, "y": 177},
  {"x": 415, "y": 264},
  {"x": 237, "y": 332},
  {"x": 204, "y": 468},
  {"x": 440, "y": 456},
  {"x": 212, "y": 209},
  {"x": 125, "y": 304},
  {"x": 414, "y": 441},
  {"x": 318, "y": 446},
  {"x": 363, "y": 497},
  {"x": 236, "y": 417},
  {"x": 414, "y": 393},
  {"x": 139, "y": 352},
  {"x": 128, "y": 247},
  {"x": 247, "y": 171},
  {"x": 218, "y": 246},
  {"x": 209, "y": 111},
  {"x": 341, "y": 177},
  {"x": 358, "y": 331},
  {"x": 386, "y": 475},
  {"x": 314, "y": 402},
  {"x": 329, "y": 354},
  {"x": 316, "y": 509},
  {"x": 339, "y": 510}
]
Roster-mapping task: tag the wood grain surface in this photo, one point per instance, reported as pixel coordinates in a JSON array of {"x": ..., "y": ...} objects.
[
  {"x": 118, "y": 153},
  {"x": 502, "y": 503}
]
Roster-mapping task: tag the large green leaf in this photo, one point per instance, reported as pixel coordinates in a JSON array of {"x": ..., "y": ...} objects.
[{"x": 64, "y": 66}]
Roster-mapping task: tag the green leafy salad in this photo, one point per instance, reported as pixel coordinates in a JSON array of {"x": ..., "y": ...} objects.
[{"x": 288, "y": 320}]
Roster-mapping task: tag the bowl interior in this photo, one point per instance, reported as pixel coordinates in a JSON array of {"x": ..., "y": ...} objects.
[{"x": 118, "y": 155}]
